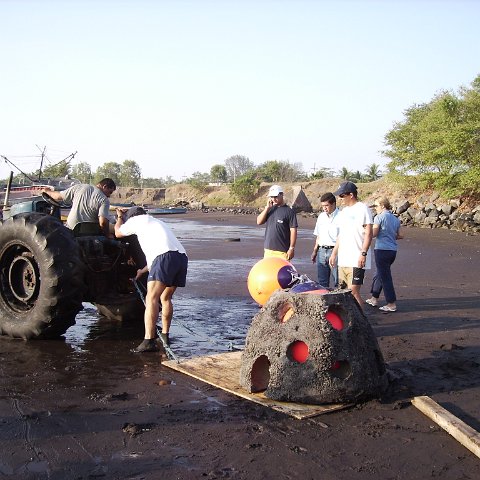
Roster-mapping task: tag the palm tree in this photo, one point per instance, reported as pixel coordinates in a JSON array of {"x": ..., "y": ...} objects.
[
  {"x": 344, "y": 173},
  {"x": 372, "y": 172}
]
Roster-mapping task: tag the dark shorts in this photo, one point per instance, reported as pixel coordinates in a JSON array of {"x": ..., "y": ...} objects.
[
  {"x": 169, "y": 268},
  {"x": 358, "y": 274}
]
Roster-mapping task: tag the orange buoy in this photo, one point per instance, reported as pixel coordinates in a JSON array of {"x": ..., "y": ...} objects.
[{"x": 268, "y": 275}]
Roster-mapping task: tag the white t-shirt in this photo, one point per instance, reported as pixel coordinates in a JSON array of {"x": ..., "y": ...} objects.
[
  {"x": 154, "y": 236},
  {"x": 351, "y": 234},
  {"x": 326, "y": 228}
]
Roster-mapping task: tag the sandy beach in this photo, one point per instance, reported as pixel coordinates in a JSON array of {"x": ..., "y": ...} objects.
[{"x": 91, "y": 409}]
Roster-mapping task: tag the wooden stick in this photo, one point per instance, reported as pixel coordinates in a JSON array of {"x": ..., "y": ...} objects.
[{"x": 459, "y": 430}]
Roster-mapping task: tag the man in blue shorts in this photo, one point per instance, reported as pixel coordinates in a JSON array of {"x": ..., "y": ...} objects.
[{"x": 167, "y": 264}]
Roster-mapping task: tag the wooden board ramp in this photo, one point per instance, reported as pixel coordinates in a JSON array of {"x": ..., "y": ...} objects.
[
  {"x": 223, "y": 371},
  {"x": 459, "y": 430}
]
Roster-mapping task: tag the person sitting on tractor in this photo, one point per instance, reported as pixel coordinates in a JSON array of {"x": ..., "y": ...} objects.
[{"x": 90, "y": 205}]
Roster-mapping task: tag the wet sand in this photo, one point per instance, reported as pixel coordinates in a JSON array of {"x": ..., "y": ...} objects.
[{"x": 85, "y": 407}]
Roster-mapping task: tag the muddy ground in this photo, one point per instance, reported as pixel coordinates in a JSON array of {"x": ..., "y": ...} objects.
[{"x": 84, "y": 407}]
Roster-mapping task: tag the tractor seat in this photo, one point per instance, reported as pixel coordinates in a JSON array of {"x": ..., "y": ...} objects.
[{"x": 87, "y": 229}]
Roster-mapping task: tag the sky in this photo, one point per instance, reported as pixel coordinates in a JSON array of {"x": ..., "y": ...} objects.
[{"x": 179, "y": 86}]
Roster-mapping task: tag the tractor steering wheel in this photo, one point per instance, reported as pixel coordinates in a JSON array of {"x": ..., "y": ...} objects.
[{"x": 51, "y": 201}]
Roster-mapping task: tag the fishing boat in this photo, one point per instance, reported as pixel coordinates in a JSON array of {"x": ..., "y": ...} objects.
[
  {"x": 30, "y": 187},
  {"x": 166, "y": 210}
]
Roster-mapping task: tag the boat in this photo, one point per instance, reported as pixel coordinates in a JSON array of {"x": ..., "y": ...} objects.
[
  {"x": 20, "y": 193},
  {"x": 115, "y": 205},
  {"x": 166, "y": 210}
]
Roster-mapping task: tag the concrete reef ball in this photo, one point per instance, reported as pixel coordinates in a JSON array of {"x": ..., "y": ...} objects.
[
  {"x": 312, "y": 347},
  {"x": 268, "y": 275}
]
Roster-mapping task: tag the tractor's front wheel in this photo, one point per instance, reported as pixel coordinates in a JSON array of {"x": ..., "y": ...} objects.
[{"x": 41, "y": 277}]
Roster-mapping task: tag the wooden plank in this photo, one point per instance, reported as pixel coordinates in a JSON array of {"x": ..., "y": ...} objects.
[
  {"x": 459, "y": 430},
  {"x": 223, "y": 371}
]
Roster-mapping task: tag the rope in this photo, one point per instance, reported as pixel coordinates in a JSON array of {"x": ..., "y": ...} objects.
[
  {"x": 230, "y": 346},
  {"x": 167, "y": 348}
]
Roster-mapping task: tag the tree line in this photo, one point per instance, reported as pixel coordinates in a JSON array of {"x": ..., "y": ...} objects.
[
  {"x": 235, "y": 169},
  {"x": 436, "y": 145}
]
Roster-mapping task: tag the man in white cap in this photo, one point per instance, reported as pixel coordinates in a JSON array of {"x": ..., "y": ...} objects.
[
  {"x": 281, "y": 226},
  {"x": 353, "y": 242}
]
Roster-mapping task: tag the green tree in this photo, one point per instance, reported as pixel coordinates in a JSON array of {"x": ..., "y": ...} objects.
[
  {"x": 152, "y": 183},
  {"x": 345, "y": 174},
  {"x": 322, "y": 172},
  {"x": 372, "y": 172},
  {"x": 199, "y": 181},
  {"x": 130, "y": 174},
  {"x": 60, "y": 169},
  {"x": 169, "y": 180},
  {"x": 280, "y": 171},
  {"x": 439, "y": 142},
  {"x": 108, "y": 170},
  {"x": 238, "y": 165},
  {"x": 245, "y": 187},
  {"x": 356, "y": 176},
  {"x": 82, "y": 171},
  {"x": 218, "y": 173}
]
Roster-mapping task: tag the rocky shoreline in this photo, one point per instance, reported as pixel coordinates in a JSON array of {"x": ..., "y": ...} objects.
[
  {"x": 427, "y": 210},
  {"x": 424, "y": 212},
  {"x": 433, "y": 212}
]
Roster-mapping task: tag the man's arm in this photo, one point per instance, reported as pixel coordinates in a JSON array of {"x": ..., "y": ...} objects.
[
  {"x": 140, "y": 272},
  {"x": 293, "y": 241},
  {"x": 57, "y": 196},
  {"x": 119, "y": 223},
  {"x": 105, "y": 226},
  {"x": 367, "y": 240},
  {"x": 262, "y": 217},
  {"x": 333, "y": 257},
  {"x": 316, "y": 246}
]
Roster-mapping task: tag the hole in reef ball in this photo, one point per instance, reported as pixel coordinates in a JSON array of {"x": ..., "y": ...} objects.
[{"x": 298, "y": 351}]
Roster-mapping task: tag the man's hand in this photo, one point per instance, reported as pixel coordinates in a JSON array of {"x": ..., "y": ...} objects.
[
  {"x": 120, "y": 211},
  {"x": 362, "y": 260},
  {"x": 140, "y": 272},
  {"x": 333, "y": 259}
]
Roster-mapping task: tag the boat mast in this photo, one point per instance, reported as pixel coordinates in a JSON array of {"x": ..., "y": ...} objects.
[{"x": 41, "y": 161}]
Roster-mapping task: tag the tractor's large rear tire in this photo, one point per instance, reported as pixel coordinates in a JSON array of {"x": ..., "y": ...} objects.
[{"x": 41, "y": 277}]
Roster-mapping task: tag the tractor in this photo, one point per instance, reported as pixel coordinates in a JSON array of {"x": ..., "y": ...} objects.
[{"x": 47, "y": 271}]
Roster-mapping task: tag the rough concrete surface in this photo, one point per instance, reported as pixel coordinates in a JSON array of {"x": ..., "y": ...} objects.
[{"x": 293, "y": 352}]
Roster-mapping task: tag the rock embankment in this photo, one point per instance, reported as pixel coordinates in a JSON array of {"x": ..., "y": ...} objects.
[
  {"x": 413, "y": 208},
  {"x": 433, "y": 212},
  {"x": 424, "y": 212}
]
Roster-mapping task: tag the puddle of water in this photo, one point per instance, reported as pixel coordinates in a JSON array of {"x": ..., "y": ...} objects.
[
  {"x": 206, "y": 324},
  {"x": 200, "y": 326},
  {"x": 191, "y": 230}
]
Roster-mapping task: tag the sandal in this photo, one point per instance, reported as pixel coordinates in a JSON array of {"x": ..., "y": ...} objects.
[
  {"x": 371, "y": 302},
  {"x": 388, "y": 309}
]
